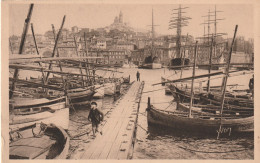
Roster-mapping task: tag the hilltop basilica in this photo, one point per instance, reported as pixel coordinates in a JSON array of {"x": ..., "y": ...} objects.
[{"x": 119, "y": 23}]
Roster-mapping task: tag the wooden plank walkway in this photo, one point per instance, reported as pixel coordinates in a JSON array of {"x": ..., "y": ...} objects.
[{"x": 118, "y": 130}]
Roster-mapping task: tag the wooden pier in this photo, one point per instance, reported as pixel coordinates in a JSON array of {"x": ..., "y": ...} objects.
[{"x": 118, "y": 129}]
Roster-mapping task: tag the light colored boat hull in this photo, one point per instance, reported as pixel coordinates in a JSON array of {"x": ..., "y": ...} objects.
[
  {"x": 110, "y": 89},
  {"x": 59, "y": 118}
]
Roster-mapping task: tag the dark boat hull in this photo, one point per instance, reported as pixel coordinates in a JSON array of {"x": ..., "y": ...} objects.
[
  {"x": 178, "y": 62},
  {"x": 206, "y": 126},
  {"x": 182, "y": 96},
  {"x": 231, "y": 103}
]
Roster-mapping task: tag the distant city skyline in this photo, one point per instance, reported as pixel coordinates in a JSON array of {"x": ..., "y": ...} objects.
[{"x": 137, "y": 16}]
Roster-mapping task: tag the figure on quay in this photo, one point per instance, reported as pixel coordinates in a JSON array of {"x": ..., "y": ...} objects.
[
  {"x": 95, "y": 117},
  {"x": 251, "y": 85},
  {"x": 138, "y": 76}
]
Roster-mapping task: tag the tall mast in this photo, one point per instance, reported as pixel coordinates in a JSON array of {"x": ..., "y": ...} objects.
[
  {"x": 25, "y": 29},
  {"x": 21, "y": 48},
  {"x": 225, "y": 80},
  {"x": 178, "y": 22},
  {"x": 152, "y": 35},
  {"x": 212, "y": 14},
  {"x": 215, "y": 24},
  {"x": 179, "y": 32},
  {"x": 193, "y": 74},
  {"x": 204, "y": 32},
  {"x": 215, "y": 21}
]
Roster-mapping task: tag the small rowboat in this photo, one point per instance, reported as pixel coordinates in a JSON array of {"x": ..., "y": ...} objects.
[{"x": 38, "y": 141}]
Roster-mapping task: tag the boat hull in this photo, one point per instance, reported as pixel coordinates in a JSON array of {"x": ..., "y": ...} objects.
[
  {"x": 80, "y": 97},
  {"x": 197, "y": 125},
  {"x": 151, "y": 66},
  {"x": 58, "y": 117},
  {"x": 177, "y": 62},
  {"x": 100, "y": 92},
  {"x": 53, "y": 143},
  {"x": 110, "y": 89}
]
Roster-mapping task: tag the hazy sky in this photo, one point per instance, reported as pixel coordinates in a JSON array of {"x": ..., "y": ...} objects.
[{"x": 138, "y": 16}]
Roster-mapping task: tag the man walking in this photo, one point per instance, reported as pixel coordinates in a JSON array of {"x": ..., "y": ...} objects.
[
  {"x": 95, "y": 117},
  {"x": 138, "y": 76}
]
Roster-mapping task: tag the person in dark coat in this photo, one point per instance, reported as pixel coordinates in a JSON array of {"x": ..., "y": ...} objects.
[
  {"x": 95, "y": 117},
  {"x": 138, "y": 76},
  {"x": 251, "y": 85}
]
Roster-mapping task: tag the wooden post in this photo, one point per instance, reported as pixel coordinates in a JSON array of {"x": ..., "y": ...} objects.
[
  {"x": 225, "y": 79},
  {"x": 57, "y": 50},
  {"x": 149, "y": 103},
  {"x": 34, "y": 39},
  {"x": 25, "y": 29},
  {"x": 210, "y": 63},
  {"x": 193, "y": 74},
  {"x": 55, "y": 45},
  {"x": 85, "y": 40},
  {"x": 23, "y": 39},
  {"x": 54, "y": 37},
  {"x": 86, "y": 61},
  {"x": 183, "y": 61},
  {"x": 36, "y": 47}
]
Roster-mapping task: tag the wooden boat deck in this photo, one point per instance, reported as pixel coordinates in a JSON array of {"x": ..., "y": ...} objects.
[
  {"x": 31, "y": 147},
  {"x": 118, "y": 130}
]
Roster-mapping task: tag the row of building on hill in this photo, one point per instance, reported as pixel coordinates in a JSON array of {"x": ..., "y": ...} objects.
[{"x": 119, "y": 43}]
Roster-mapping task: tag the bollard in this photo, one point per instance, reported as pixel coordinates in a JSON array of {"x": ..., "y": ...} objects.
[{"x": 149, "y": 103}]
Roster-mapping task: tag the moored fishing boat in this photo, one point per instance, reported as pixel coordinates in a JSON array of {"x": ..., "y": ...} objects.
[
  {"x": 177, "y": 63},
  {"x": 167, "y": 89},
  {"x": 230, "y": 99},
  {"x": 110, "y": 89},
  {"x": 100, "y": 91},
  {"x": 200, "y": 123},
  {"x": 229, "y": 110},
  {"x": 38, "y": 141},
  {"x": 24, "y": 112},
  {"x": 80, "y": 96},
  {"x": 213, "y": 97},
  {"x": 126, "y": 79},
  {"x": 182, "y": 95},
  {"x": 152, "y": 65},
  {"x": 151, "y": 61}
]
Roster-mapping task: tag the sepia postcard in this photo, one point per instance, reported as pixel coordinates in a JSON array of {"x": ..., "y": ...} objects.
[{"x": 155, "y": 80}]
